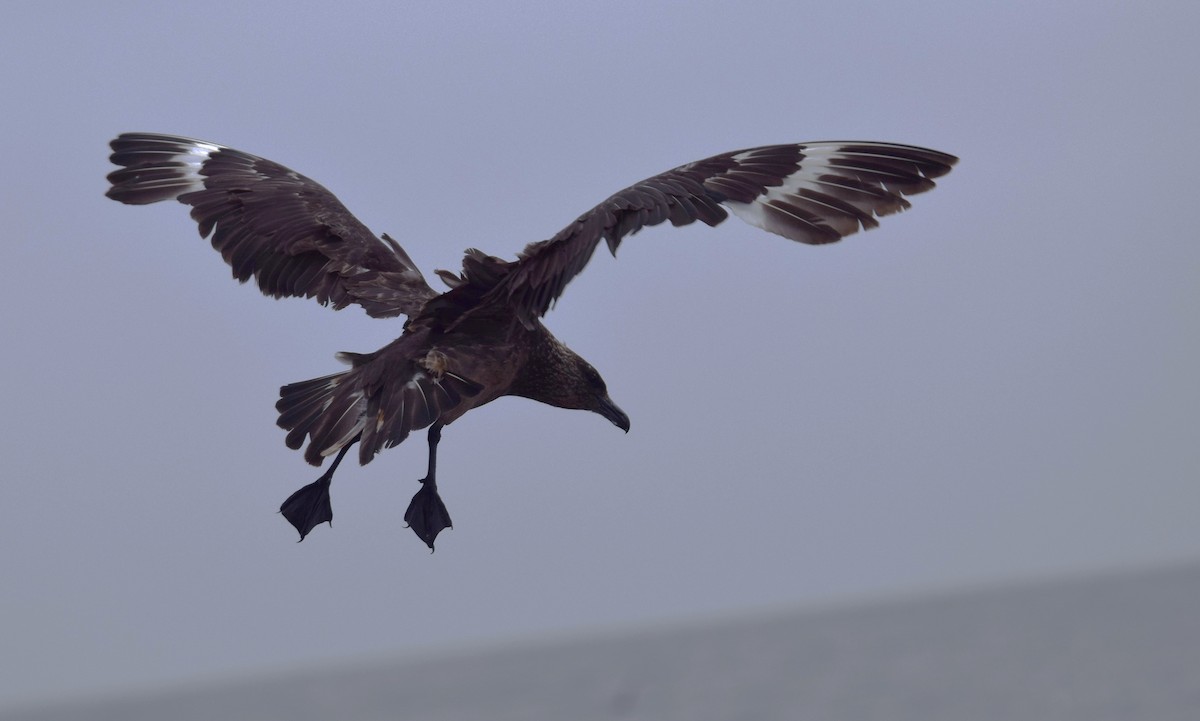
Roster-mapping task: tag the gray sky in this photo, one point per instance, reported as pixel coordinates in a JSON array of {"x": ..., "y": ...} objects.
[{"x": 999, "y": 384}]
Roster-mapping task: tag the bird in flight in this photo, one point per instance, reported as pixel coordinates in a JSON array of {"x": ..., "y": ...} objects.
[{"x": 483, "y": 338}]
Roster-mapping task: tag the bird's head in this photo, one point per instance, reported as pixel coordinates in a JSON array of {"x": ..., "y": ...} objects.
[
  {"x": 594, "y": 394},
  {"x": 558, "y": 376}
]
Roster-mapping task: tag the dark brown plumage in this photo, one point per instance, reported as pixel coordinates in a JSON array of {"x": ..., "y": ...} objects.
[{"x": 483, "y": 338}]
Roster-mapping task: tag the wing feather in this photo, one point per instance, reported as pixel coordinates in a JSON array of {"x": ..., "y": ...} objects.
[
  {"x": 286, "y": 231},
  {"x": 813, "y": 193}
]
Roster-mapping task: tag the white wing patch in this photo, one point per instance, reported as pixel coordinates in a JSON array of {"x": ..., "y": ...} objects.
[
  {"x": 186, "y": 164},
  {"x": 194, "y": 156},
  {"x": 836, "y": 190}
]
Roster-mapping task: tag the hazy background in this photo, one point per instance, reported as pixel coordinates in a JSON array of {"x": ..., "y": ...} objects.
[{"x": 998, "y": 385}]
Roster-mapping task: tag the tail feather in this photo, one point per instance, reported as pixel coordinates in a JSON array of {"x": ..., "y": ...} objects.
[
  {"x": 301, "y": 403},
  {"x": 340, "y": 424},
  {"x": 334, "y": 410},
  {"x": 324, "y": 409},
  {"x": 402, "y": 407}
]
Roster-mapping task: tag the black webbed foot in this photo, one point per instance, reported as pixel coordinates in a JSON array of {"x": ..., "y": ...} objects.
[
  {"x": 309, "y": 507},
  {"x": 427, "y": 514}
]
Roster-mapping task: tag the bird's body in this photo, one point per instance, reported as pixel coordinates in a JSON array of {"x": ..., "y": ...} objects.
[
  {"x": 482, "y": 339},
  {"x": 427, "y": 375}
]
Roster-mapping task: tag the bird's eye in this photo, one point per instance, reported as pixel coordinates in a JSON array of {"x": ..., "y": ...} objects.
[{"x": 593, "y": 377}]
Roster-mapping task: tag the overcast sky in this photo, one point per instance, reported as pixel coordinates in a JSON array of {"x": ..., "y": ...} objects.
[{"x": 999, "y": 384}]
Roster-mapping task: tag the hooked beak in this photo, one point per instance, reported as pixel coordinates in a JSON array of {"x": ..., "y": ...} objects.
[{"x": 609, "y": 410}]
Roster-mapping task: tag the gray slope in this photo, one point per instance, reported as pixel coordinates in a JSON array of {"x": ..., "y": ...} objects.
[{"x": 1114, "y": 647}]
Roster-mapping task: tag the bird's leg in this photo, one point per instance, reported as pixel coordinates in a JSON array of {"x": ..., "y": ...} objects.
[
  {"x": 426, "y": 513},
  {"x": 308, "y": 507}
]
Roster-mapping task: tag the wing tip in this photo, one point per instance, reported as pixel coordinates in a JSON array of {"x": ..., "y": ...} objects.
[{"x": 156, "y": 167}]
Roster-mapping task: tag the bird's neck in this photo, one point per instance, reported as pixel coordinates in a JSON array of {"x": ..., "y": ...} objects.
[{"x": 546, "y": 375}]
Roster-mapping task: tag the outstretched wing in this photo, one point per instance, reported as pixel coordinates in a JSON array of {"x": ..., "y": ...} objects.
[
  {"x": 811, "y": 192},
  {"x": 287, "y": 231}
]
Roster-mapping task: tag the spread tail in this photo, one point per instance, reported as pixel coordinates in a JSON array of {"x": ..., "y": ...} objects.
[{"x": 366, "y": 403}]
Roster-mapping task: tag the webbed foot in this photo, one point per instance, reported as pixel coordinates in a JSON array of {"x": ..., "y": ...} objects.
[
  {"x": 309, "y": 507},
  {"x": 427, "y": 514}
]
